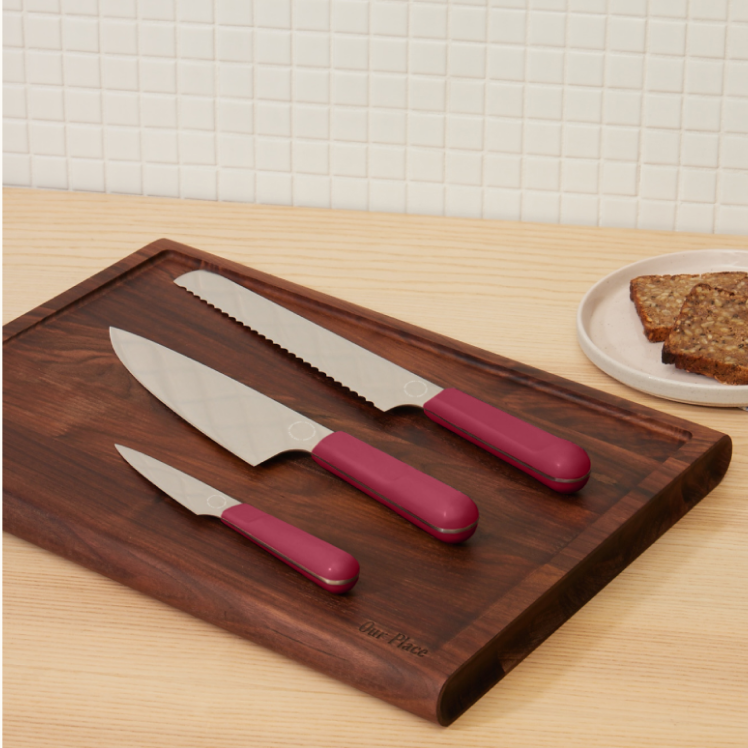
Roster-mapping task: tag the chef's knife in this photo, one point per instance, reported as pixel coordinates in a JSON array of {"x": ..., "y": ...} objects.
[
  {"x": 555, "y": 462},
  {"x": 255, "y": 427},
  {"x": 331, "y": 568}
]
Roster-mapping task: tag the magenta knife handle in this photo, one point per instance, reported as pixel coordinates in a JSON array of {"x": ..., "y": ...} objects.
[
  {"x": 435, "y": 507},
  {"x": 326, "y": 565},
  {"x": 557, "y": 463}
]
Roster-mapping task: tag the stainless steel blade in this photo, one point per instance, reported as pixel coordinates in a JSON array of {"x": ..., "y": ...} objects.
[
  {"x": 197, "y": 496},
  {"x": 383, "y": 383},
  {"x": 247, "y": 423}
]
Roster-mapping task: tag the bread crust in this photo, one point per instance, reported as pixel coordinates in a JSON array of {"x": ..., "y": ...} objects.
[
  {"x": 658, "y": 298},
  {"x": 710, "y": 335}
]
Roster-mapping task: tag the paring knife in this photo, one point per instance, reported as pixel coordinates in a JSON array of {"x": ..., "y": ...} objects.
[
  {"x": 555, "y": 462},
  {"x": 326, "y": 565},
  {"x": 255, "y": 427}
]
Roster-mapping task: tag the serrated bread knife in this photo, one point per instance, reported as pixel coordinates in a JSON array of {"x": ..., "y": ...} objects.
[
  {"x": 331, "y": 568},
  {"x": 555, "y": 462},
  {"x": 255, "y": 427}
]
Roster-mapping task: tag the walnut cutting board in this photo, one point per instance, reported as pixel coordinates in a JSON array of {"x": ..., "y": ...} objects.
[{"x": 430, "y": 627}]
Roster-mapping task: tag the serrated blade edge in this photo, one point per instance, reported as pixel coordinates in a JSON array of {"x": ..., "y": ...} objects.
[{"x": 383, "y": 383}]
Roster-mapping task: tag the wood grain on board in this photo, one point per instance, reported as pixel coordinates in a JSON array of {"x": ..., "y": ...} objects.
[{"x": 429, "y": 627}]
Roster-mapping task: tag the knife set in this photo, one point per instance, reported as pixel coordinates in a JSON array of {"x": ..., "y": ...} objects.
[{"x": 255, "y": 427}]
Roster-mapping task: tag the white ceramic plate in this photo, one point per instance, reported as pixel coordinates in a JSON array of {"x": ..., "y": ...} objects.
[{"x": 611, "y": 334}]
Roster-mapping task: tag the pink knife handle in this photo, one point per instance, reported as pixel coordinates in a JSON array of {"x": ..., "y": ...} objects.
[
  {"x": 435, "y": 507},
  {"x": 331, "y": 568},
  {"x": 557, "y": 463}
]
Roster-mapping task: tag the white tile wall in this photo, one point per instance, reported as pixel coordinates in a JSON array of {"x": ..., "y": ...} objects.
[{"x": 601, "y": 112}]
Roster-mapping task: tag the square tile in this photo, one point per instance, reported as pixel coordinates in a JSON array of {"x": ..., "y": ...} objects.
[
  {"x": 547, "y": 29},
  {"x": 272, "y": 46},
  {"x": 507, "y": 26},
  {"x": 351, "y": 89},
  {"x": 274, "y": 83},
  {"x": 463, "y": 201},
  {"x": 426, "y": 164},
  {"x": 657, "y": 215},
  {"x": 545, "y": 65},
  {"x": 428, "y": 57},
  {"x": 619, "y": 178},
  {"x": 389, "y": 91},
  {"x": 464, "y": 167},
  {"x": 80, "y": 34},
  {"x": 87, "y": 175},
  {"x": 389, "y": 55},
  {"x": 698, "y": 185},
  {"x": 273, "y": 188},
  {"x": 236, "y": 13},
  {"x": 350, "y": 16},
  {"x": 160, "y": 146},
  {"x": 160, "y": 180},
  {"x": 273, "y": 154},
  {"x": 350, "y": 52},
  {"x": 311, "y": 157},
  {"x": 387, "y": 126},
  {"x": 627, "y": 71},
  {"x": 349, "y": 193},
  {"x": 389, "y": 18},
  {"x": 586, "y": 31},
  {"x": 236, "y": 151},
  {"x": 661, "y": 146},
  {"x": 428, "y": 20},
  {"x": 466, "y": 96},
  {"x": 585, "y": 68},
  {"x": 350, "y": 125},
  {"x": 581, "y": 175},
  {"x": 196, "y": 77},
  {"x": 465, "y": 132},
  {"x": 694, "y": 217},
  {"x": 701, "y": 149},
  {"x": 704, "y": 76},
  {"x": 581, "y": 141},
  {"x": 504, "y": 135},
  {"x": 666, "y": 37},
  {"x": 49, "y": 172},
  {"x": 659, "y": 182},
  {"x": 467, "y": 60},
  {"x": 539, "y": 173},
  {"x": 505, "y": 99},
  {"x": 386, "y": 162},
  {"x": 503, "y": 170},
  {"x": 427, "y": 94},
  {"x": 706, "y": 39},
  {"x": 427, "y": 130},
  {"x": 312, "y": 191},
  {"x": 309, "y": 15},
  {"x": 580, "y": 210},
  {"x": 543, "y": 102},
  {"x": 272, "y": 119},
  {"x": 387, "y": 196},
  {"x": 311, "y": 121},
  {"x": 540, "y": 207},
  {"x": 81, "y": 71},
  {"x": 506, "y": 63},
  {"x": 468, "y": 24},
  {"x": 502, "y": 204},
  {"x": 542, "y": 138}
]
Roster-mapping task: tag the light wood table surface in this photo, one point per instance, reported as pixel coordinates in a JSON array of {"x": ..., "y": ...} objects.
[{"x": 658, "y": 658}]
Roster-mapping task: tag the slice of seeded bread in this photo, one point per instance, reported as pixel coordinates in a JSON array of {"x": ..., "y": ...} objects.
[
  {"x": 710, "y": 335},
  {"x": 659, "y": 298}
]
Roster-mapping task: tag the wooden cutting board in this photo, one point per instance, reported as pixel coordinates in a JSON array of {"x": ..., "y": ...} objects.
[{"x": 430, "y": 627}]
